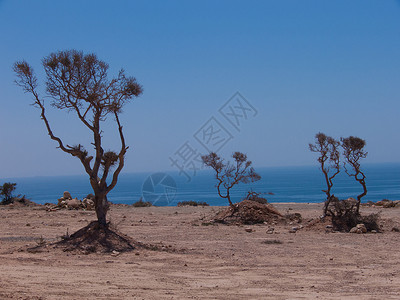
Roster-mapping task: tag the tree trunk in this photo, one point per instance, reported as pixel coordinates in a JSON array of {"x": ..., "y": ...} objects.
[
  {"x": 101, "y": 206},
  {"x": 228, "y": 196},
  {"x": 362, "y": 182}
]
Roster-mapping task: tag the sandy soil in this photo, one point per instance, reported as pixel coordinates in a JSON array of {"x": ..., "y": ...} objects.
[{"x": 214, "y": 261}]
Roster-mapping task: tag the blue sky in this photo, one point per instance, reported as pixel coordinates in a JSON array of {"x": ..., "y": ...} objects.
[{"x": 304, "y": 66}]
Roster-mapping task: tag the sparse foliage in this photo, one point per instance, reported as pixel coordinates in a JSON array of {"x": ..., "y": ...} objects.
[
  {"x": 329, "y": 159},
  {"x": 79, "y": 83},
  {"x": 353, "y": 152},
  {"x": 229, "y": 174},
  {"x": 6, "y": 191},
  {"x": 255, "y": 196}
]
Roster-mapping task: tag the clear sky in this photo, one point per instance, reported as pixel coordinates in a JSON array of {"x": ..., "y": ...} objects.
[{"x": 303, "y": 66}]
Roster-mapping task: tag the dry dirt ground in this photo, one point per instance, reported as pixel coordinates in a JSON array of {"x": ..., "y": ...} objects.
[{"x": 212, "y": 261}]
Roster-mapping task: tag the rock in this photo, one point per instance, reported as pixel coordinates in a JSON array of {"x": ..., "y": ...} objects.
[
  {"x": 270, "y": 230},
  {"x": 115, "y": 253},
  {"x": 362, "y": 228},
  {"x": 329, "y": 226},
  {"x": 73, "y": 204},
  {"x": 60, "y": 200},
  {"x": 90, "y": 196},
  {"x": 248, "y": 229},
  {"x": 385, "y": 203},
  {"x": 373, "y": 231},
  {"x": 88, "y": 204},
  {"x": 62, "y": 203},
  {"x": 67, "y": 195},
  {"x": 396, "y": 202},
  {"x": 388, "y": 204},
  {"x": 292, "y": 231},
  {"x": 395, "y": 229},
  {"x": 353, "y": 230}
]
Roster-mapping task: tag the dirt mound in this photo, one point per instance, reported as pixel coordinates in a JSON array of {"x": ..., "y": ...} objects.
[
  {"x": 250, "y": 212},
  {"x": 99, "y": 239},
  {"x": 95, "y": 238},
  {"x": 319, "y": 224}
]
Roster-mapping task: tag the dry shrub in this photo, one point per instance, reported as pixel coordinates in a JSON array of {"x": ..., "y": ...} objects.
[
  {"x": 142, "y": 203},
  {"x": 345, "y": 216},
  {"x": 371, "y": 222}
]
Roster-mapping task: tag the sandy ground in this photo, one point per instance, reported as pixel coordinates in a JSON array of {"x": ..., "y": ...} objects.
[{"x": 217, "y": 262}]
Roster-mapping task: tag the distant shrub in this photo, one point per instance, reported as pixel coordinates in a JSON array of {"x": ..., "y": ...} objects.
[
  {"x": 6, "y": 191},
  {"x": 192, "y": 203},
  {"x": 142, "y": 203}
]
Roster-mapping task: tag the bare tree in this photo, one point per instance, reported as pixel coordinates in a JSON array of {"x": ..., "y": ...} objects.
[
  {"x": 229, "y": 174},
  {"x": 353, "y": 151},
  {"x": 329, "y": 159},
  {"x": 79, "y": 83}
]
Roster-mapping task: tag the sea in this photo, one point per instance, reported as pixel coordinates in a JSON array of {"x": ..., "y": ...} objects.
[{"x": 278, "y": 184}]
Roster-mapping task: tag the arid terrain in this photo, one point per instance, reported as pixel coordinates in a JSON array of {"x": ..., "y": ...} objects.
[{"x": 203, "y": 261}]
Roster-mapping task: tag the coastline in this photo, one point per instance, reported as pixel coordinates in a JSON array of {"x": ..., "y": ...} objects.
[{"x": 287, "y": 184}]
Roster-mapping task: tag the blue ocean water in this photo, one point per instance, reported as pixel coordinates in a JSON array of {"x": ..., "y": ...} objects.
[{"x": 280, "y": 184}]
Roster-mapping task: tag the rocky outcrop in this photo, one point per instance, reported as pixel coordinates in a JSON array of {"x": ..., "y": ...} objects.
[{"x": 67, "y": 202}]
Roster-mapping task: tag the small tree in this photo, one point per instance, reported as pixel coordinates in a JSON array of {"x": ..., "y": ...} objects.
[
  {"x": 229, "y": 174},
  {"x": 6, "y": 191},
  {"x": 329, "y": 159},
  {"x": 353, "y": 151},
  {"x": 79, "y": 83}
]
